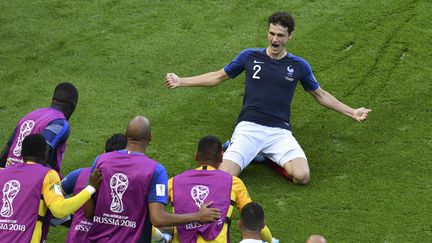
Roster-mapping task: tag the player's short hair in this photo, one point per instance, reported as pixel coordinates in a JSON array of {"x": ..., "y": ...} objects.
[
  {"x": 34, "y": 146},
  {"x": 284, "y": 19},
  {"x": 115, "y": 142},
  {"x": 209, "y": 149},
  {"x": 252, "y": 217},
  {"x": 66, "y": 93}
]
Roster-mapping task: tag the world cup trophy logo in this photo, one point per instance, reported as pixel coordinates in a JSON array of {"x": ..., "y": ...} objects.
[
  {"x": 118, "y": 183},
  {"x": 10, "y": 190},
  {"x": 199, "y": 193},
  {"x": 25, "y": 130}
]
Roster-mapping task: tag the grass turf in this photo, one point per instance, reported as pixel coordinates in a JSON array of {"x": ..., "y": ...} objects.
[{"x": 370, "y": 182}]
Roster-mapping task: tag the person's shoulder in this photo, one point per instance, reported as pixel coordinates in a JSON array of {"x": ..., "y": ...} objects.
[
  {"x": 52, "y": 176},
  {"x": 76, "y": 172},
  {"x": 237, "y": 182},
  {"x": 159, "y": 168},
  {"x": 293, "y": 57},
  {"x": 59, "y": 126}
]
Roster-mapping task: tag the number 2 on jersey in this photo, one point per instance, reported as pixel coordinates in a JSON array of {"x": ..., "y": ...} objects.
[{"x": 256, "y": 68}]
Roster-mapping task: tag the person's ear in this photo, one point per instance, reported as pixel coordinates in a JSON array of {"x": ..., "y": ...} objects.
[{"x": 196, "y": 156}]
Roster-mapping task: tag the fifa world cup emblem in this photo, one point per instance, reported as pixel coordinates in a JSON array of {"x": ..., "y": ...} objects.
[
  {"x": 10, "y": 190},
  {"x": 118, "y": 183},
  {"x": 199, "y": 193},
  {"x": 25, "y": 130}
]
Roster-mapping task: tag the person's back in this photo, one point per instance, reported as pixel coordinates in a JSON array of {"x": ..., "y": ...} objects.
[
  {"x": 190, "y": 189},
  {"x": 32, "y": 123},
  {"x": 51, "y": 122},
  {"x": 21, "y": 186},
  {"x": 193, "y": 188},
  {"x": 121, "y": 206},
  {"x": 31, "y": 193},
  {"x": 75, "y": 181}
]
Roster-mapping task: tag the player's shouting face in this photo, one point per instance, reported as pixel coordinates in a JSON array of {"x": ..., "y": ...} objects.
[{"x": 277, "y": 36}]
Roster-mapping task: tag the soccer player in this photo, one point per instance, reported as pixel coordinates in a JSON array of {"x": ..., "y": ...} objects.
[
  {"x": 189, "y": 190},
  {"x": 30, "y": 189},
  {"x": 271, "y": 76},
  {"x": 77, "y": 179},
  {"x": 251, "y": 223},
  {"x": 51, "y": 122},
  {"x": 133, "y": 194}
]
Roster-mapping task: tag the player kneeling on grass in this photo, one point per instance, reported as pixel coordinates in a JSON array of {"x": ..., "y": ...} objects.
[
  {"x": 133, "y": 194},
  {"x": 271, "y": 77},
  {"x": 76, "y": 180},
  {"x": 30, "y": 189},
  {"x": 189, "y": 190}
]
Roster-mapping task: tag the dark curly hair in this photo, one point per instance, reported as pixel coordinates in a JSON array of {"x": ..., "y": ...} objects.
[{"x": 284, "y": 19}]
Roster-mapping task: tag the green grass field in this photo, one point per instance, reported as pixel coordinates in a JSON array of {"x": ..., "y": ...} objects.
[{"x": 371, "y": 182}]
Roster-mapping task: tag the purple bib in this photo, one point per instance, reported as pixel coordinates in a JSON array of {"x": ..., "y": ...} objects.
[
  {"x": 121, "y": 206},
  {"x": 193, "y": 188},
  {"x": 34, "y": 123},
  {"x": 21, "y": 186},
  {"x": 80, "y": 226}
]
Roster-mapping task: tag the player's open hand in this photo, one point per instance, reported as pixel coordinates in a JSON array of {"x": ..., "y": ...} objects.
[
  {"x": 172, "y": 80},
  {"x": 361, "y": 114},
  {"x": 95, "y": 179},
  {"x": 208, "y": 215}
]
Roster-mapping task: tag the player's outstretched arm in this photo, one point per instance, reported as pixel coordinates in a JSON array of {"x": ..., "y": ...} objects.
[
  {"x": 160, "y": 218},
  {"x": 324, "y": 98},
  {"x": 61, "y": 207},
  {"x": 207, "y": 79}
]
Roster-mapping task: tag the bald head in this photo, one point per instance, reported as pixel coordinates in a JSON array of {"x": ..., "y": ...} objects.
[
  {"x": 138, "y": 130},
  {"x": 316, "y": 239}
]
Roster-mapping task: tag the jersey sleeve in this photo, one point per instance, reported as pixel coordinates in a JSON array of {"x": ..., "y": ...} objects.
[
  {"x": 236, "y": 66},
  {"x": 159, "y": 186},
  {"x": 308, "y": 80},
  {"x": 242, "y": 195},
  {"x": 51, "y": 189},
  {"x": 68, "y": 183},
  {"x": 56, "y": 133}
]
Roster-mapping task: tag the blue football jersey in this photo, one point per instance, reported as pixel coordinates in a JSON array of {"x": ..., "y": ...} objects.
[{"x": 270, "y": 85}]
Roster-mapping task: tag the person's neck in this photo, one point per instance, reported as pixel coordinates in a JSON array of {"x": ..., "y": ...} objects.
[
  {"x": 251, "y": 235},
  {"x": 136, "y": 148},
  {"x": 209, "y": 163},
  {"x": 32, "y": 160},
  {"x": 278, "y": 56},
  {"x": 61, "y": 108}
]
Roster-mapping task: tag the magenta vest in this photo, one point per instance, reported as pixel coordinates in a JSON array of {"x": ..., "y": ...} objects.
[
  {"x": 80, "y": 226},
  {"x": 193, "y": 188},
  {"x": 21, "y": 186},
  {"x": 121, "y": 205},
  {"x": 34, "y": 123}
]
